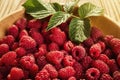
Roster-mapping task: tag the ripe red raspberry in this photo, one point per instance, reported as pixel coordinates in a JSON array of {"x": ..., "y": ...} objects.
[
  {"x": 68, "y": 60},
  {"x": 113, "y": 65},
  {"x": 58, "y": 36},
  {"x": 55, "y": 57},
  {"x": 107, "y": 39},
  {"x": 21, "y": 23},
  {"x": 78, "y": 52},
  {"x": 13, "y": 30},
  {"x": 101, "y": 66},
  {"x": 78, "y": 69},
  {"x": 66, "y": 72},
  {"x": 42, "y": 75},
  {"x": 27, "y": 61},
  {"x": 41, "y": 62},
  {"x": 53, "y": 46},
  {"x": 71, "y": 78},
  {"x": 42, "y": 51},
  {"x": 103, "y": 46},
  {"x": 4, "y": 48},
  {"x": 115, "y": 45},
  {"x": 16, "y": 74},
  {"x": 103, "y": 58},
  {"x": 14, "y": 46},
  {"x": 27, "y": 42},
  {"x": 92, "y": 74},
  {"x": 68, "y": 46},
  {"x": 55, "y": 79},
  {"x": 20, "y": 51},
  {"x": 9, "y": 58},
  {"x": 106, "y": 77},
  {"x": 118, "y": 60},
  {"x": 34, "y": 23},
  {"x": 95, "y": 50},
  {"x": 51, "y": 70},
  {"x": 86, "y": 62},
  {"x": 96, "y": 34},
  {"x": 88, "y": 42},
  {"x": 116, "y": 75},
  {"x": 33, "y": 70},
  {"x": 23, "y": 33},
  {"x": 36, "y": 36},
  {"x": 9, "y": 39}
]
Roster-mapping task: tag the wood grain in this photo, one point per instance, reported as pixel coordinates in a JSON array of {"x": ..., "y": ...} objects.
[{"x": 111, "y": 7}]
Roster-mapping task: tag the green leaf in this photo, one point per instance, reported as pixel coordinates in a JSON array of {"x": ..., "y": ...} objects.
[
  {"x": 41, "y": 14},
  {"x": 56, "y": 6},
  {"x": 35, "y": 7},
  {"x": 57, "y": 19},
  {"x": 88, "y": 9},
  {"x": 79, "y": 30},
  {"x": 69, "y": 6}
]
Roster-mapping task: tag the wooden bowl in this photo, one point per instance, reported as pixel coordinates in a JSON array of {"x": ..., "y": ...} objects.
[{"x": 106, "y": 24}]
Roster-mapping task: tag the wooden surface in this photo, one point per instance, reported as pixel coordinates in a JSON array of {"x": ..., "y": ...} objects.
[{"x": 111, "y": 7}]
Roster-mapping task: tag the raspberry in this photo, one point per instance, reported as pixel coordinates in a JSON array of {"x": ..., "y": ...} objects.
[
  {"x": 115, "y": 45},
  {"x": 58, "y": 36},
  {"x": 34, "y": 69},
  {"x": 27, "y": 61},
  {"x": 34, "y": 23},
  {"x": 21, "y": 23},
  {"x": 55, "y": 79},
  {"x": 71, "y": 78},
  {"x": 55, "y": 57},
  {"x": 13, "y": 30},
  {"x": 92, "y": 74},
  {"x": 16, "y": 74},
  {"x": 53, "y": 46},
  {"x": 41, "y": 61},
  {"x": 9, "y": 39},
  {"x": 4, "y": 70},
  {"x": 9, "y": 58},
  {"x": 113, "y": 65},
  {"x": 66, "y": 72},
  {"x": 116, "y": 75},
  {"x": 14, "y": 46},
  {"x": 4, "y": 48},
  {"x": 27, "y": 42},
  {"x": 95, "y": 50},
  {"x": 88, "y": 42},
  {"x": 118, "y": 60},
  {"x": 103, "y": 58},
  {"x": 68, "y": 46},
  {"x": 107, "y": 39},
  {"x": 102, "y": 44},
  {"x": 79, "y": 70},
  {"x": 42, "y": 75},
  {"x": 86, "y": 62},
  {"x": 106, "y": 77},
  {"x": 42, "y": 51},
  {"x": 51, "y": 70},
  {"x": 20, "y": 51},
  {"x": 78, "y": 52},
  {"x": 68, "y": 60},
  {"x": 96, "y": 34},
  {"x": 23, "y": 33},
  {"x": 101, "y": 66},
  {"x": 37, "y": 36}
]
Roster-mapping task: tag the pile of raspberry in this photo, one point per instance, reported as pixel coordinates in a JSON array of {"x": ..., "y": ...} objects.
[{"x": 29, "y": 52}]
